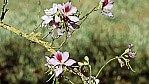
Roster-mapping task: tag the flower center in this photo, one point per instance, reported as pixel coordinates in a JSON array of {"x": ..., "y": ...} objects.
[
  {"x": 59, "y": 57},
  {"x": 104, "y": 3},
  {"x": 67, "y": 9}
]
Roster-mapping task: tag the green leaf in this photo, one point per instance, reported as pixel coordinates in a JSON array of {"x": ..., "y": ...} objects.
[
  {"x": 86, "y": 59},
  {"x": 80, "y": 63}
]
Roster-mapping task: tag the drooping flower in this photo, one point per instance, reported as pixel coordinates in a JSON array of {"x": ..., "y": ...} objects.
[
  {"x": 68, "y": 10},
  {"x": 106, "y": 7},
  {"x": 60, "y": 59}
]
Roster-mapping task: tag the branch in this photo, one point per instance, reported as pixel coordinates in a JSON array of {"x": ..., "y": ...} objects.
[
  {"x": 85, "y": 16},
  {"x": 4, "y": 10},
  {"x": 32, "y": 37}
]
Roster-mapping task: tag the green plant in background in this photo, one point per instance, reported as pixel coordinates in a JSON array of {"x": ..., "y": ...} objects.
[{"x": 87, "y": 53}]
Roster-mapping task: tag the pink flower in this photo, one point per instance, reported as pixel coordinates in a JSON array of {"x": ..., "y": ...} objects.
[
  {"x": 68, "y": 10},
  {"x": 106, "y": 7},
  {"x": 59, "y": 59}
]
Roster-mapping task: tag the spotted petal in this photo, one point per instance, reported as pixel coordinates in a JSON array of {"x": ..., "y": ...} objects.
[{"x": 59, "y": 32}]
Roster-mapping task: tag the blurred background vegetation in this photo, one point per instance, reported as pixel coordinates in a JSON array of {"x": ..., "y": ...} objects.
[{"x": 100, "y": 38}]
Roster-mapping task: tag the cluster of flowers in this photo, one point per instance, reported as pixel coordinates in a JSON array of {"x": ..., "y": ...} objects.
[{"x": 61, "y": 17}]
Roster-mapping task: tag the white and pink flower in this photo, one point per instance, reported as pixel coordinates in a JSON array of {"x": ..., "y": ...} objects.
[
  {"x": 68, "y": 10},
  {"x": 60, "y": 16},
  {"x": 49, "y": 14},
  {"x": 107, "y": 5},
  {"x": 60, "y": 59}
]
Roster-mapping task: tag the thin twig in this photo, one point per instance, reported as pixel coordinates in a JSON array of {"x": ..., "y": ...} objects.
[
  {"x": 85, "y": 16},
  {"x": 63, "y": 42},
  {"x": 104, "y": 66}
]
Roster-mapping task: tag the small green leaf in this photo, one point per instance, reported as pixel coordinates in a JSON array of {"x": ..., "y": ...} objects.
[
  {"x": 80, "y": 63},
  {"x": 86, "y": 59}
]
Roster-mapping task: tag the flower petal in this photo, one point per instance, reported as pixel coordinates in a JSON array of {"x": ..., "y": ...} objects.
[
  {"x": 70, "y": 62},
  {"x": 57, "y": 19},
  {"x": 47, "y": 19},
  {"x": 102, "y": 0},
  {"x": 108, "y": 14},
  {"x": 54, "y": 8},
  {"x": 108, "y": 6},
  {"x": 44, "y": 17},
  {"x": 59, "y": 32},
  {"x": 46, "y": 64},
  {"x": 73, "y": 10},
  {"x": 60, "y": 7},
  {"x": 53, "y": 61},
  {"x": 47, "y": 11},
  {"x": 73, "y": 18},
  {"x": 70, "y": 26},
  {"x": 51, "y": 11},
  {"x": 96, "y": 81},
  {"x": 65, "y": 56},
  {"x": 47, "y": 58},
  {"x": 59, "y": 70}
]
